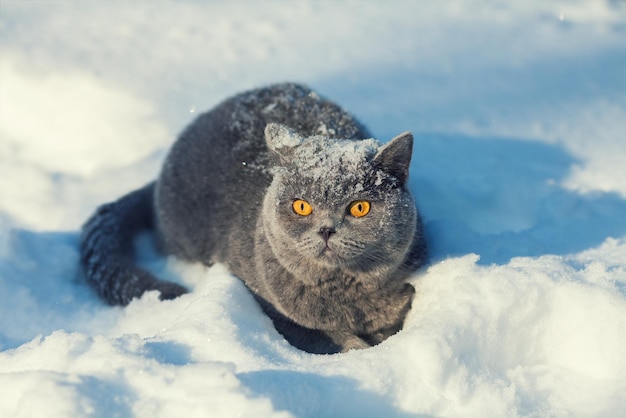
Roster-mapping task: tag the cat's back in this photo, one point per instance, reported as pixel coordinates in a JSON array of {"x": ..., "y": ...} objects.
[
  {"x": 228, "y": 141},
  {"x": 213, "y": 181}
]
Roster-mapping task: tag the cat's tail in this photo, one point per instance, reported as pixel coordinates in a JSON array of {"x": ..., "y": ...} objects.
[{"x": 106, "y": 250}]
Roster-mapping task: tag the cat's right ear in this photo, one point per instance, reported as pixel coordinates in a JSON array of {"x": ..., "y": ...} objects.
[{"x": 281, "y": 140}]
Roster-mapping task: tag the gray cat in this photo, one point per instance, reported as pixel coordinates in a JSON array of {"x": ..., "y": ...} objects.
[{"x": 283, "y": 187}]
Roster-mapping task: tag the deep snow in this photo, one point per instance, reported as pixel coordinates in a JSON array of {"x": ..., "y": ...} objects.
[{"x": 519, "y": 115}]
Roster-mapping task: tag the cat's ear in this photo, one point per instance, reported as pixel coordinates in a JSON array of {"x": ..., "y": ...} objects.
[
  {"x": 280, "y": 139},
  {"x": 395, "y": 156}
]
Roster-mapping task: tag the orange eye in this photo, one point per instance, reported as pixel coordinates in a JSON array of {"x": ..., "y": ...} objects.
[
  {"x": 359, "y": 208},
  {"x": 302, "y": 207}
]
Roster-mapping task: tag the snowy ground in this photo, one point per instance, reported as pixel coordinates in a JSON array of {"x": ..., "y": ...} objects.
[{"x": 519, "y": 114}]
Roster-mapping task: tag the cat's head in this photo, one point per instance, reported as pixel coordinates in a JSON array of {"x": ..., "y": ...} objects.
[{"x": 339, "y": 204}]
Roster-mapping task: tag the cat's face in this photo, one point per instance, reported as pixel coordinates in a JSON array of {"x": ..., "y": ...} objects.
[{"x": 339, "y": 204}]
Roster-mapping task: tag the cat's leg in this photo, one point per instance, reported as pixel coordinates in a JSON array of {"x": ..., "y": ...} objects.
[{"x": 393, "y": 321}]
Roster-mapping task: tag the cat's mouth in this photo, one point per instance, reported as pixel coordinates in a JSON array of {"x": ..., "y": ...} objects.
[
  {"x": 327, "y": 250},
  {"x": 329, "y": 255}
]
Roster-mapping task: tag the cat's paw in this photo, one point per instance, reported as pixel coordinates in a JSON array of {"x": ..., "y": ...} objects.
[
  {"x": 348, "y": 341},
  {"x": 355, "y": 343}
]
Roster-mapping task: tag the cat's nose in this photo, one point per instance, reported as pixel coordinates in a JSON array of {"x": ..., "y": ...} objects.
[{"x": 326, "y": 232}]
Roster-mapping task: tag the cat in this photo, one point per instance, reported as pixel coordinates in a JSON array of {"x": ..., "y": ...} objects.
[{"x": 290, "y": 192}]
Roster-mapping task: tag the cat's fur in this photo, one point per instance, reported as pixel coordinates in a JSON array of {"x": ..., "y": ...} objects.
[{"x": 329, "y": 281}]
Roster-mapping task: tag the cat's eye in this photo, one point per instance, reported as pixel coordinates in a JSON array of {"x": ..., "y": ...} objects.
[
  {"x": 359, "y": 208},
  {"x": 301, "y": 207}
]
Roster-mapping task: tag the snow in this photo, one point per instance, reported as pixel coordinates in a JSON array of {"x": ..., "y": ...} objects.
[
  {"x": 518, "y": 110},
  {"x": 279, "y": 136}
]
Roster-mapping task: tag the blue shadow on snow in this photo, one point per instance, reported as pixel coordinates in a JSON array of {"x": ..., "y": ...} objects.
[
  {"x": 502, "y": 198},
  {"x": 310, "y": 395}
]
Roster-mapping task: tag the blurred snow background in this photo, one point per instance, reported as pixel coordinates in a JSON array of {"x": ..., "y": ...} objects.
[{"x": 519, "y": 115}]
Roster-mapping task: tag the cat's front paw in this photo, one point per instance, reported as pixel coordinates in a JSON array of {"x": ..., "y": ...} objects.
[
  {"x": 355, "y": 343},
  {"x": 348, "y": 341}
]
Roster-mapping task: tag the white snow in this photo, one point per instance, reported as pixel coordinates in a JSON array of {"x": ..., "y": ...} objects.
[
  {"x": 518, "y": 110},
  {"x": 280, "y": 136}
]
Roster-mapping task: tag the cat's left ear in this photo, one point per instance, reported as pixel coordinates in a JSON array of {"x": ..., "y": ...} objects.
[
  {"x": 281, "y": 140},
  {"x": 395, "y": 156}
]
